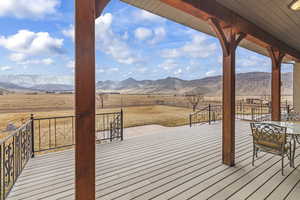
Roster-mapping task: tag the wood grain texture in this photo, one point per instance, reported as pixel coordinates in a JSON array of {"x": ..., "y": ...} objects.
[
  {"x": 229, "y": 41},
  {"x": 276, "y": 57},
  {"x": 85, "y": 99},
  {"x": 205, "y": 9}
]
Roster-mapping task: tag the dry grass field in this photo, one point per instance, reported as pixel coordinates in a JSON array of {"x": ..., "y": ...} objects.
[{"x": 138, "y": 109}]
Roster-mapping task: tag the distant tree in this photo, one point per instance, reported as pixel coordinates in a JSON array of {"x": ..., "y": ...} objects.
[
  {"x": 194, "y": 99},
  {"x": 100, "y": 98}
]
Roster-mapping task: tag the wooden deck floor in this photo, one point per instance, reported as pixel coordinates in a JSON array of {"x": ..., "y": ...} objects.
[{"x": 179, "y": 163}]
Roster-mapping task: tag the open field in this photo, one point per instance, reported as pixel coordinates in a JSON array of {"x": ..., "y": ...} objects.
[
  {"x": 133, "y": 116},
  {"x": 165, "y": 110}
]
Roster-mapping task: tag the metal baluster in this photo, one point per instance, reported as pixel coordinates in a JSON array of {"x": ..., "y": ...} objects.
[
  {"x": 50, "y": 134},
  {"x": 55, "y": 133},
  {"x": 1, "y": 174},
  {"x": 40, "y": 140},
  {"x": 73, "y": 142},
  {"x": 32, "y": 135}
]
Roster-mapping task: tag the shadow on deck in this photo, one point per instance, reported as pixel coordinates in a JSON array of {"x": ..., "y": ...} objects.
[{"x": 178, "y": 163}]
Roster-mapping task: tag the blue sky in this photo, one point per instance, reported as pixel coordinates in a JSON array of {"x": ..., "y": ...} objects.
[{"x": 37, "y": 36}]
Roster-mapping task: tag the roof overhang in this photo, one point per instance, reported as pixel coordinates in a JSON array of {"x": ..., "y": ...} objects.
[{"x": 195, "y": 13}]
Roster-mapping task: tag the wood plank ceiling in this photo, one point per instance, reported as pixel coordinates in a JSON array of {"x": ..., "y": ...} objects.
[
  {"x": 273, "y": 16},
  {"x": 261, "y": 12}
]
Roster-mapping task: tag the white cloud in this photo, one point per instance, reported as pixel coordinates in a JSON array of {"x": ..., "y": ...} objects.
[
  {"x": 211, "y": 73},
  {"x": 45, "y": 61},
  {"x": 69, "y": 32},
  {"x": 109, "y": 42},
  {"x": 71, "y": 64},
  {"x": 112, "y": 44},
  {"x": 178, "y": 72},
  {"x": 142, "y": 33},
  {"x": 28, "y": 8},
  {"x": 159, "y": 35},
  {"x": 5, "y": 68},
  {"x": 197, "y": 48},
  {"x": 113, "y": 69},
  {"x": 142, "y": 70},
  {"x": 48, "y": 61},
  {"x": 17, "y": 57},
  {"x": 100, "y": 70},
  {"x": 147, "y": 16},
  {"x": 26, "y": 43},
  {"x": 171, "y": 53},
  {"x": 107, "y": 70},
  {"x": 169, "y": 64}
]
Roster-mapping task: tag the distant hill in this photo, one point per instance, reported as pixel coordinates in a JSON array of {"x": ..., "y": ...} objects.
[
  {"x": 252, "y": 83},
  {"x": 12, "y": 87},
  {"x": 53, "y": 87}
]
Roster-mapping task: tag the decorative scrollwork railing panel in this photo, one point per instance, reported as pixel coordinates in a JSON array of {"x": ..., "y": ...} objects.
[
  {"x": 109, "y": 126},
  {"x": 15, "y": 152}
]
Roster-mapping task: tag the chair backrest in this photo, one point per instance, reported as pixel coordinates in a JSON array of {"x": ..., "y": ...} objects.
[{"x": 270, "y": 135}]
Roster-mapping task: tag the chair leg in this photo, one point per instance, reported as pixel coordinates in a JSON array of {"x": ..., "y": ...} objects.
[
  {"x": 291, "y": 163},
  {"x": 282, "y": 164},
  {"x": 254, "y": 152}
]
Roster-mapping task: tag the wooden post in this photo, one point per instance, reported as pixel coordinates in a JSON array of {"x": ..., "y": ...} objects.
[
  {"x": 85, "y": 103},
  {"x": 276, "y": 57},
  {"x": 85, "y": 99},
  {"x": 229, "y": 40}
]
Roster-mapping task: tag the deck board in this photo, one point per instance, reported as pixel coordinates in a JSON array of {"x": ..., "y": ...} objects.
[{"x": 178, "y": 163}]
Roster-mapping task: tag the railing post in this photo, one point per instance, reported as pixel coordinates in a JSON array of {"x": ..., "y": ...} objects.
[
  {"x": 209, "y": 114},
  {"x": 32, "y": 135},
  {"x": 122, "y": 125},
  {"x": 190, "y": 120},
  {"x": 111, "y": 131},
  {"x": 1, "y": 173},
  {"x": 252, "y": 113}
]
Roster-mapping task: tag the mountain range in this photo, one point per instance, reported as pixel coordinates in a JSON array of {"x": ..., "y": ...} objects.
[{"x": 251, "y": 83}]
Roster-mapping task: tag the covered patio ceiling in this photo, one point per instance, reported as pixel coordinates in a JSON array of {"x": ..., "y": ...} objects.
[{"x": 273, "y": 19}]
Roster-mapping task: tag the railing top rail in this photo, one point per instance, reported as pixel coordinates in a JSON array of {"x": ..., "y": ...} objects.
[
  {"x": 205, "y": 109},
  {"x": 198, "y": 111},
  {"x": 73, "y": 116},
  {"x": 14, "y": 133},
  {"x": 111, "y": 113},
  {"x": 62, "y": 117}
]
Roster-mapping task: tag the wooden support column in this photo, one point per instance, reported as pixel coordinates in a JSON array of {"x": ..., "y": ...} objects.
[
  {"x": 276, "y": 57},
  {"x": 229, "y": 40},
  {"x": 85, "y": 99},
  {"x": 85, "y": 89}
]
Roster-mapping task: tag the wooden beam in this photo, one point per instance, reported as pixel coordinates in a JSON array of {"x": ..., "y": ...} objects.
[
  {"x": 205, "y": 9},
  {"x": 276, "y": 57},
  {"x": 85, "y": 99},
  {"x": 99, "y": 6},
  {"x": 229, "y": 40}
]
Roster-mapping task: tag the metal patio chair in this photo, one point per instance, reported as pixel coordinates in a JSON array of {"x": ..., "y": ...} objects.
[{"x": 272, "y": 139}]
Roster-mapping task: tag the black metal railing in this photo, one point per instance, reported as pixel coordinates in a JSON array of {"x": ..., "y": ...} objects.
[
  {"x": 209, "y": 114},
  {"x": 15, "y": 151},
  {"x": 109, "y": 126},
  {"x": 59, "y": 132},
  {"x": 248, "y": 112},
  {"x": 53, "y": 132}
]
